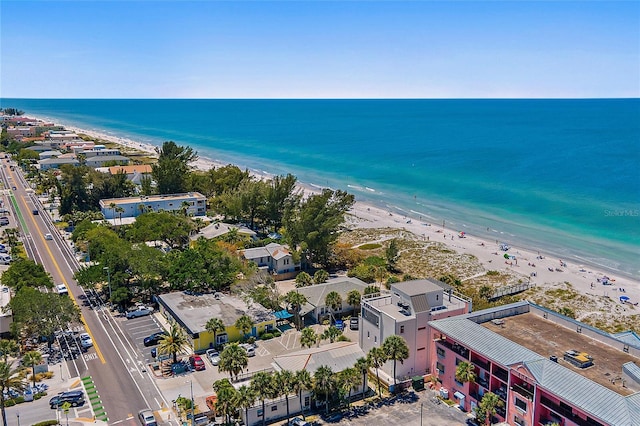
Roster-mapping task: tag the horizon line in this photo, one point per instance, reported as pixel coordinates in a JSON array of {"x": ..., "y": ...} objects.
[{"x": 325, "y": 99}]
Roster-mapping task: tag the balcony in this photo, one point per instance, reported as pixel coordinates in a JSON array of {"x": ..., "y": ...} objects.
[
  {"x": 484, "y": 365},
  {"x": 501, "y": 374},
  {"x": 460, "y": 350},
  {"x": 502, "y": 393},
  {"x": 523, "y": 391},
  {"x": 501, "y": 412},
  {"x": 482, "y": 382},
  {"x": 567, "y": 413}
]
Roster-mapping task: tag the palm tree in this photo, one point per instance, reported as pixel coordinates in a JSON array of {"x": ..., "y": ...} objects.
[
  {"x": 323, "y": 383},
  {"x": 244, "y": 324},
  {"x": 120, "y": 210},
  {"x": 113, "y": 206},
  {"x": 32, "y": 358},
  {"x": 226, "y": 393},
  {"x": 303, "y": 382},
  {"x": 174, "y": 342},
  {"x": 331, "y": 333},
  {"x": 354, "y": 298},
  {"x": 465, "y": 372},
  {"x": 185, "y": 207},
  {"x": 215, "y": 326},
  {"x": 245, "y": 398},
  {"x": 349, "y": 380},
  {"x": 262, "y": 384},
  {"x": 233, "y": 359},
  {"x": 9, "y": 379},
  {"x": 285, "y": 380},
  {"x": 8, "y": 348},
  {"x": 296, "y": 301},
  {"x": 487, "y": 407},
  {"x": 308, "y": 337},
  {"x": 362, "y": 365},
  {"x": 396, "y": 349},
  {"x": 377, "y": 357},
  {"x": 334, "y": 301}
]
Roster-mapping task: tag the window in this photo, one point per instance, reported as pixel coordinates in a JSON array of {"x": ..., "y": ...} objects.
[
  {"x": 437, "y": 297},
  {"x": 520, "y": 404},
  {"x": 440, "y": 367},
  {"x": 401, "y": 329},
  {"x": 307, "y": 401},
  {"x": 274, "y": 408},
  {"x": 458, "y": 361},
  {"x": 375, "y": 339},
  {"x": 519, "y": 421},
  {"x": 368, "y": 335},
  {"x": 440, "y": 352},
  {"x": 421, "y": 328}
]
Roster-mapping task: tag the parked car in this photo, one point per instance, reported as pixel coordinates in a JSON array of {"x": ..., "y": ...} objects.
[
  {"x": 48, "y": 237},
  {"x": 75, "y": 398},
  {"x": 354, "y": 323},
  {"x": 5, "y": 259},
  {"x": 139, "y": 311},
  {"x": 196, "y": 362},
  {"x": 297, "y": 421},
  {"x": 3, "y": 248},
  {"x": 85, "y": 340},
  {"x": 214, "y": 356},
  {"x": 154, "y": 338},
  {"x": 147, "y": 418},
  {"x": 251, "y": 350},
  {"x": 4, "y": 220}
]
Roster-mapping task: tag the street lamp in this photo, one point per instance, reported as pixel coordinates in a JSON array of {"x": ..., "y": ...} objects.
[{"x": 106, "y": 268}]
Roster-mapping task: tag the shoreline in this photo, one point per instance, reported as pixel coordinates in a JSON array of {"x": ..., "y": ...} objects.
[{"x": 584, "y": 277}]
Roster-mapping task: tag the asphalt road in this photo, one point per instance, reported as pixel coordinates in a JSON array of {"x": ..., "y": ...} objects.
[{"x": 114, "y": 365}]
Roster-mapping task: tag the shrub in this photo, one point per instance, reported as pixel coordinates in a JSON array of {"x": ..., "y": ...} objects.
[
  {"x": 277, "y": 333},
  {"x": 47, "y": 374},
  {"x": 19, "y": 399},
  {"x": 9, "y": 403},
  {"x": 370, "y": 246},
  {"x": 251, "y": 340},
  {"x": 343, "y": 338},
  {"x": 46, "y": 423},
  {"x": 267, "y": 336}
]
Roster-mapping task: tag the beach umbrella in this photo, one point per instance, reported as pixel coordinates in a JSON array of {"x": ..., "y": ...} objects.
[{"x": 624, "y": 298}]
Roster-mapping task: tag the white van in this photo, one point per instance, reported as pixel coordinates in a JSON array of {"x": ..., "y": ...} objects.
[{"x": 5, "y": 259}]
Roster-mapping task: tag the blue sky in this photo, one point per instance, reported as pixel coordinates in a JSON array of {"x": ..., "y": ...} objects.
[{"x": 321, "y": 49}]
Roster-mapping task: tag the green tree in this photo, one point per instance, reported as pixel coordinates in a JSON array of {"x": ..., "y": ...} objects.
[
  {"x": 8, "y": 347},
  {"x": 171, "y": 172},
  {"x": 279, "y": 197},
  {"x": 174, "y": 342},
  {"x": 227, "y": 398},
  {"x": 331, "y": 333},
  {"x": 296, "y": 301},
  {"x": 324, "y": 383},
  {"x": 396, "y": 349},
  {"x": 244, "y": 324},
  {"x": 314, "y": 224},
  {"x": 233, "y": 359},
  {"x": 321, "y": 276},
  {"x": 362, "y": 366},
  {"x": 308, "y": 338},
  {"x": 353, "y": 299},
  {"x": 302, "y": 383},
  {"x": 32, "y": 358},
  {"x": 465, "y": 372},
  {"x": 215, "y": 326},
  {"x": 245, "y": 398},
  {"x": 285, "y": 381},
  {"x": 391, "y": 254},
  {"x": 74, "y": 194},
  {"x": 334, "y": 301},
  {"x": 488, "y": 406},
  {"x": 9, "y": 380},
  {"x": 26, "y": 272},
  {"x": 348, "y": 379},
  {"x": 303, "y": 279},
  {"x": 377, "y": 357},
  {"x": 263, "y": 385}
]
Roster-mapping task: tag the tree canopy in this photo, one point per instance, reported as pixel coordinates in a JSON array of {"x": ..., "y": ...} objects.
[
  {"x": 26, "y": 273},
  {"x": 171, "y": 172}
]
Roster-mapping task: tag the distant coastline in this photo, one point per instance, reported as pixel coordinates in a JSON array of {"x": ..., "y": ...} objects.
[{"x": 432, "y": 209}]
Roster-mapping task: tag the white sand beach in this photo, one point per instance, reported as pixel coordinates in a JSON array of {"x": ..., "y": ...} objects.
[{"x": 549, "y": 270}]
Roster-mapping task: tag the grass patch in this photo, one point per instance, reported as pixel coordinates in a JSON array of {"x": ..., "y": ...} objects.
[{"x": 370, "y": 246}]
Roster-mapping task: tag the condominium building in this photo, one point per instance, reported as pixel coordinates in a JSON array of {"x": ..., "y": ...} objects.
[{"x": 194, "y": 203}]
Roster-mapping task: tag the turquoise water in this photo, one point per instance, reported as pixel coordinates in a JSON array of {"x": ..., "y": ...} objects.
[{"x": 562, "y": 176}]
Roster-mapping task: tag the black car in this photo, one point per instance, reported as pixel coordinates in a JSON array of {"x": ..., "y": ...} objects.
[
  {"x": 154, "y": 338},
  {"x": 75, "y": 398}
]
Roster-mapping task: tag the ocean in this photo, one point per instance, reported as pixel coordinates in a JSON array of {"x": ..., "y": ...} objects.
[{"x": 559, "y": 176}]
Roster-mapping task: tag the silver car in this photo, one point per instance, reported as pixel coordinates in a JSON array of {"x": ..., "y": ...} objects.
[
  {"x": 147, "y": 418},
  {"x": 214, "y": 356}
]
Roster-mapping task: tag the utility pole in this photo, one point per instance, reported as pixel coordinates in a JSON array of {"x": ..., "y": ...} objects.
[{"x": 106, "y": 268}]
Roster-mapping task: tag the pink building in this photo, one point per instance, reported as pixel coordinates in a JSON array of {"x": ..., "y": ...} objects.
[{"x": 535, "y": 390}]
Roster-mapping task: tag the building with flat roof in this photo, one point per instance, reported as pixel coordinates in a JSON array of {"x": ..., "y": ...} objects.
[
  {"x": 55, "y": 163},
  {"x": 535, "y": 389},
  {"x": 101, "y": 160},
  {"x": 406, "y": 312},
  {"x": 193, "y": 311},
  {"x": 194, "y": 202}
]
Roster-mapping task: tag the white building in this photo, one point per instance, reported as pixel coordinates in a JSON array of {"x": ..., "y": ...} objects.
[
  {"x": 195, "y": 203},
  {"x": 274, "y": 257},
  {"x": 406, "y": 313}
]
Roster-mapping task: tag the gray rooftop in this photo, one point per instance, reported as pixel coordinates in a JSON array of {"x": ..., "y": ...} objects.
[
  {"x": 338, "y": 356},
  {"x": 317, "y": 293},
  {"x": 417, "y": 287},
  {"x": 59, "y": 161},
  {"x": 193, "y": 311},
  {"x": 105, "y": 158}
]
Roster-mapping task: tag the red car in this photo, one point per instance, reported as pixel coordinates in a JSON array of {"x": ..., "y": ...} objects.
[{"x": 196, "y": 362}]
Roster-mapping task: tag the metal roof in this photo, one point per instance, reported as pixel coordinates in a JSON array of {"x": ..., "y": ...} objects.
[
  {"x": 338, "y": 356},
  {"x": 416, "y": 287},
  {"x": 587, "y": 395},
  {"x": 317, "y": 293},
  {"x": 484, "y": 341},
  {"x": 420, "y": 303}
]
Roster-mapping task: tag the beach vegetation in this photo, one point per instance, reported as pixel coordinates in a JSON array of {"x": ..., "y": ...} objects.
[
  {"x": 391, "y": 254},
  {"x": 11, "y": 111},
  {"x": 370, "y": 246},
  {"x": 320, "y": 276}
]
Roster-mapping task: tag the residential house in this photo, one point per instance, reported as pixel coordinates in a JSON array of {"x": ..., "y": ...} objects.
[
  {"x": 406, "y": 312},
  {"x": 21, "y": 132},
  {"x": 316, "y": 310},
  {"x": 217, "y": 229},
  {"x": 273, "y": 257},
  {"x": 536, "y": 389},
  {"x": 101, "y": 160},
  {"x": 98, "y": 151},
  {"x": 49, "y": 154},
  {"x": 134, "y": 173},
  {"x": 338, "y": 356},
  {"x": 194, "y": 202},
  {"x": 55, "y": 163},
  {"x": 193, "y": 311}
]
